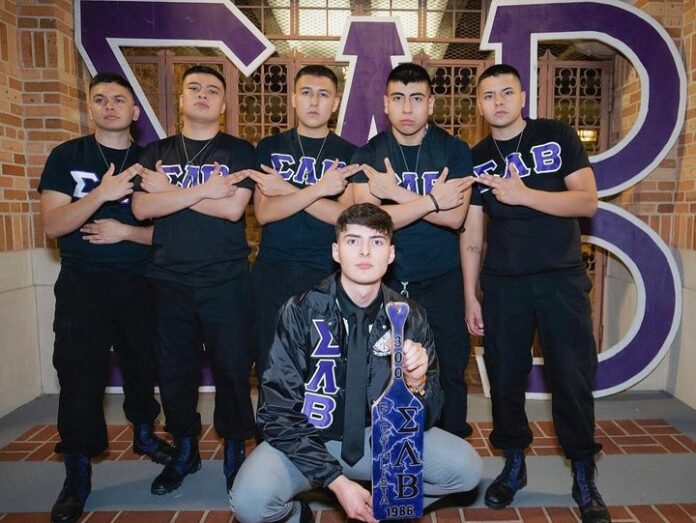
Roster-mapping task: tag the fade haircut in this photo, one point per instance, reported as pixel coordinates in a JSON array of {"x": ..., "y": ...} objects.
[
  {"x": 409, "y": 73},
  {"x": 368, "y": 215},
  {"x": 499, "y": 70},
  {"x": 111, "y": 78},
  {"x": 205, "y": 69},
  {"x": 317, "y": 70}
]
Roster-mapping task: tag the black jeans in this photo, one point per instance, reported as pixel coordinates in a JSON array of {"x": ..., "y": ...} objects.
[
  {"x": 443, "y": 300},
  {"x": 557, "y": 306},
  {"x": 273, "y": 283},
  {"x": 94, "y": 313},
  {"x": 186, "y": 319}
]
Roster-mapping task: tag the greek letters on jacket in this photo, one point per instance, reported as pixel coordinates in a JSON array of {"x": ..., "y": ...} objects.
[{"x": 304, "y": 384}]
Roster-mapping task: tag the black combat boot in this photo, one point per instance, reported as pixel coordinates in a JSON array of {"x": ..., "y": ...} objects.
[
  {"x": 78, "y": 484},
  {"x": 186, "y": 460},
  {"x": 145, "y": 442},
  {"x": 501, "y": 492},
  {"x": 234, "y": 457},
  {"x": 585, "y": 493}
]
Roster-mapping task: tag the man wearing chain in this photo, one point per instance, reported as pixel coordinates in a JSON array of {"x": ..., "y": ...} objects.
[
  {"x": 534, "y": 181},
  {"x": 194, "y": 189},
  {"x": 421, "y": 175},
  {"x": 300, "y": 193},
  {"x": 102, "y": 297}
]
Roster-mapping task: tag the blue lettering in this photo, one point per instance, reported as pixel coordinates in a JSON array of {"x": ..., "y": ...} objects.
[
  {"x": 547, "y": 157},
  {"x": 319, "y": 409},
  {"x": 324, "y": 378},
  {"x": 281, "y": 163}
]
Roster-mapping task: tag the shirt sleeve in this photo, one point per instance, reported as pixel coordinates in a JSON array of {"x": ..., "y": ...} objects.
[
  {"x": 459, "y": 160},
  {"x": 573, "y": 152},
  {"x": 360, "y": 156},
  {"x": 55, "y": 176},
  {"x": 244, "y": 157},
  {"x": 263, "y": 154}
]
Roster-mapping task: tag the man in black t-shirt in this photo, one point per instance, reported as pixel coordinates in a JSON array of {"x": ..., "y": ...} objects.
[
  {"x": 534, "y": 181},
  {"x": 197, "y": 195},
  {"x": 422, "y": 177},
  {"x": 102, "y": 297},
  {"x": 301, "y": 191}
]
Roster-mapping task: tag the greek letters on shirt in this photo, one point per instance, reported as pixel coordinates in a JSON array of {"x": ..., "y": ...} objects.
[
  {"x": 320, "y": 391},
  {"x": 419, "y": 184},
  {"x": 193, "y": 175},
  {"x": 302, "y": 172},
  {"x": 546, "y": 158},
  {"x": 86, "y": 182}
]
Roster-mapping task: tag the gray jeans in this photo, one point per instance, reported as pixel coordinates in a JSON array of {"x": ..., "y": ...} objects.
[{"x": 268, "y": 481}]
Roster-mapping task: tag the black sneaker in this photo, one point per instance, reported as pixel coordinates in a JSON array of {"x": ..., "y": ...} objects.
[
  {"x": 78, "y": 484},
  {"x": 585, "y": 493},
  {"x": 501, "y": 492}
]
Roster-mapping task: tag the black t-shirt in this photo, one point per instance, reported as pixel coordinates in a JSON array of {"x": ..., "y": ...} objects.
[
  {"x": 521, "y": 240},
  {"x": 300, "y": 238},
  {"x": 190, "y": 247},
  {"x": 76, "y": 168},
  {"x": 423, "y": 250}
]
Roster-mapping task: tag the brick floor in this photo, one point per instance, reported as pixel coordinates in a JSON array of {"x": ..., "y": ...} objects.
[
  {"x": 643, "y": 436},
  {"x": 684, "y": 513}
]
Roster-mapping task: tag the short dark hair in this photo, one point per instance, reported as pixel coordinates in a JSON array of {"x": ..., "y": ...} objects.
[
  {"x": 368, "y": 215},
  {"x": 499, "y": 70},
  {"x": 205, "y": 69},
  {"x": 111, "y": 78},
  {"x": 409, "y": 73},
  {"x": 317, "y": 70}
]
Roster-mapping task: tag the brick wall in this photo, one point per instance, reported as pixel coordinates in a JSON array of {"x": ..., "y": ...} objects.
[
  {"x": 42, "y": 84},
  {"x": 14, "y": 203}
]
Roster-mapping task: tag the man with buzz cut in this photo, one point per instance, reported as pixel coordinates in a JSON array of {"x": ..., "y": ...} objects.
[
  {"x": 421, "y": 176},
  {"x": 301, "y": 190},
  {"x": 196, "y": 194},
  {"x": 329, "y": 361},
  {"x": 103, "y": 299},
  {"x": 535, "y": 180}
]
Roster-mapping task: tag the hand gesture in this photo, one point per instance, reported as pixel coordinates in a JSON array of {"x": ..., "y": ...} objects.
[
  {"x": 474, "y": 318},
  {"x": 113, "y": 188},
  {"x": 155, "y": 181},
  {"x": 217, "y": 187},
  {"x": 355, "y": 500},
  {"x": 510, "y": 190},
  {"x": 382, "y": 185},
  {"x": 450, "y": 193},
  {"x": 106, "y": 231},
  {"x": 335, "y": 179},
  {"x": 269, "y": 182},
  {"x": 415, "y": 362}
]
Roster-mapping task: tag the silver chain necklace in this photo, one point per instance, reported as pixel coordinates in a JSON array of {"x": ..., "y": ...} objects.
[
  {"x": 107, "y": 163},
  {"x": 519, "y": 141},
  {"x": 189, "y": 161},
  {"x": 316, "y": 161},
  {"x": 403, "y": 156}
]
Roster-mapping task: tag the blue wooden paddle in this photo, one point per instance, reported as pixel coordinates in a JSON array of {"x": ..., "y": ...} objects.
[{"x": 397, "y": 437}]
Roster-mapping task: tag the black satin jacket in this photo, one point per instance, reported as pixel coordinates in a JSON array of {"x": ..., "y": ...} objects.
[{"x": 303, "y": 386}]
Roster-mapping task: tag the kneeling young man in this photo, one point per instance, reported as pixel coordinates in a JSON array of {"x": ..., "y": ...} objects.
[{"x": 306, "y": 417}]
